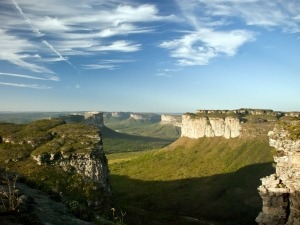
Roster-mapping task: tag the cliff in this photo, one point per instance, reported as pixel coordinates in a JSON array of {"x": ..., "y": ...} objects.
[
  {"x": 201, "y": 126},
  {"x": 91, "y": 118},
  {"x": 94, "y": 118},
  {"x": 68, "y": 159},
  {"x": 280, "y": 192},
  {"x": 144, "y": 117},
  {"x": 171, "y": 120},
  {"x": 117, "y": 115}
]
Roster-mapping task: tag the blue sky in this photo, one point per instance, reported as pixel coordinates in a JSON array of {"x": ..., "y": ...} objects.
[{"x": 149, "y": 56}]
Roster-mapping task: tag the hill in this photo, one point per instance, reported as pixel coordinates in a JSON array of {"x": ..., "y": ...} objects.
[
  {"x": 65, "y": 160},
  {"x": 210, "y": 179},
  {"x": 143, "y": 128},
  {"x": 122, "y": 142}
]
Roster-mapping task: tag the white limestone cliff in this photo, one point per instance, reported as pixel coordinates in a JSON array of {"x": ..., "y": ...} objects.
[
  {"x": 280, "y": 192},
  {"x": 196, "y": 127},
  {"x": 171, "y": 120}
]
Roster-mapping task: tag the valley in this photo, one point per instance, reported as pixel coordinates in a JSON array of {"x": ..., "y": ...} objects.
[{"x": 157, "y": 174}]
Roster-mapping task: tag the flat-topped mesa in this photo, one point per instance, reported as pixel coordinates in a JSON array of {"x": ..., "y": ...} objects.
[
  {"x": 195, "y": 126},
  {"x": 145, "y": 117},
  {"x": 171, "y": 120},
  {"x": 120, "y": 115},
  {"x": 94, "y": 119},
  {"x": 280, "y": 192},
  {"x": 241, "y": 111}
]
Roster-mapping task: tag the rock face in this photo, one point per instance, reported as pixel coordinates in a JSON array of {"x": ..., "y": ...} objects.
[
  {"x": 196, "y": 127},
  {"x": 120, "y": 115},
  {"x": 77, "y": 149},
  {"x": 145, "y": 117},
  {"x": 280, "y": 192},
  {"x": 171, "y": 120},
  {"x": 94, "y": 119}
]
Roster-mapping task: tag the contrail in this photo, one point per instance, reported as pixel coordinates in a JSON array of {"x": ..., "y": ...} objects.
[
  {"x": 37, "y": 31},
  {"x": 59, "y": 55}
]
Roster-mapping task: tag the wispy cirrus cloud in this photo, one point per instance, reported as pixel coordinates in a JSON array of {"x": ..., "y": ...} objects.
[
  {"x": 279, "y": 14},
  {"x": 20, "y": 85},
  {"x": 49, "y": 77},
  {"x": 16, "y": 50},
  {"x": 110, "y": 64},
  {"x": 208, "y": 34},
  {"x": 34, "y": 34}
]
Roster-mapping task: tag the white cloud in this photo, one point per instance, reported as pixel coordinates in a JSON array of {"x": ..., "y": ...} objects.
[
  {"x": 110, "y": 64},
  {"x": 14, "y": 50},
  {"x": 69, "y": 29},
  {"x": 211, "y": 31},
  {"x": 121, "y": 46},
  {"x": 49, "y": 77},
  {"x": 264, "y": 13},
  {"x": 199, "y": 47},
  {"x": 32, "y": 86}
]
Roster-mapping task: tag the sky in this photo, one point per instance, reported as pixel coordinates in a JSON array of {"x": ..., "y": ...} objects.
[{"x": 149, "y": 56}]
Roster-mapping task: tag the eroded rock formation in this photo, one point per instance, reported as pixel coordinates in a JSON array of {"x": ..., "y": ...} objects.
[
  {"x": 145, "y": 117},
  {"x": 202, "y": 126},
  {"x": 77, "y": 149},
  {"x": 94, "y": 119},
  {"x": 171, "y": 120},
  {"x": 280, "y": 192}
]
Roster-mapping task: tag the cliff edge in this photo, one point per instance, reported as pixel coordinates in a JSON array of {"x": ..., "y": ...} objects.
[
  {"x": 202, "y": 126},
  {"x": 280, "y": 192}
]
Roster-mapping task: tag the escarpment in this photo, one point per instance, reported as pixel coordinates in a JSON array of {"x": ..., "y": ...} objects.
[
  {"x": 171, "y": 120},
  {"x": 280, "y": 192},
  {"x": 202, "y": 126},
  {"x": 67, "y": 159}
]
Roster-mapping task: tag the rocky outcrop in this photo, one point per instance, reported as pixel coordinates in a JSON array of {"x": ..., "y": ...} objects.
[
  {"x": 144, "y": 117},
  {"x": 120, "y": 115},
  {"x": 196, "y": 127},
  {"x": 171, "y": 120},
  {"x": 280, "y": 192},
  {"x": 77, "y": 149},
  {"x": 256, "y": 112},
  {"x": 94, "y": 119}
]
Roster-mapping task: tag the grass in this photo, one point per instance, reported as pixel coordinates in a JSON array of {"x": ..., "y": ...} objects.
[
  {"x": 189, "y": 181},
  {"x": 122, "y": 142},
  {"x": 211, "y": 178},
  {"x": 292, "y": 125},
  {"x": 50, "y": 136},
  {"x": 144, "y": 128}
]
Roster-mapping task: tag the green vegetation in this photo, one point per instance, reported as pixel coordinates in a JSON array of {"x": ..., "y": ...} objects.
[
  {"x": 191, "y": 181},
  {"x": 260, "y": 118},
  {"x": 294, "y": 131},
  {"x": 49, "y": 136},
  {"x": 144, "y": 128},
  {"x": 210, "y": 178},
  {"x": 214, "y": 115},
  {"x": 28, "y": 117},
  {"x": 292, "y": 125},
  {"x": 122, "y": 142},
  {"x": 68, "y": 138},
  {"x": 9, "y": 197}
]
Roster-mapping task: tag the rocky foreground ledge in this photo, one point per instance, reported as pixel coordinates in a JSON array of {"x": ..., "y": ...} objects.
[{"x": 280, "y": 192}]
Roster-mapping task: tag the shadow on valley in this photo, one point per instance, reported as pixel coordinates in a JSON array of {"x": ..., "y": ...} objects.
[
  {"x": 121, "y": 142},
  {"x": 229, "y": 199}
]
